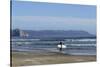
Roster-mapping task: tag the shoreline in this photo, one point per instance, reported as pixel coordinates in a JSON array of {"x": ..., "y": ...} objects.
[{"x": 73, "y": 51}]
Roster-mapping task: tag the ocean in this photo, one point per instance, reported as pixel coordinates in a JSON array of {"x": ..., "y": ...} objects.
[{"x": 73, "y": 46}]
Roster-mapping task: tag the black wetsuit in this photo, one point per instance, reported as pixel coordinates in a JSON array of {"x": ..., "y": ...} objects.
[{"x": 60, "y": 49}]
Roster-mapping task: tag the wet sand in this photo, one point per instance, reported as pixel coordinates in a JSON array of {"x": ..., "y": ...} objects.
[{"x": 24, "y": 58}]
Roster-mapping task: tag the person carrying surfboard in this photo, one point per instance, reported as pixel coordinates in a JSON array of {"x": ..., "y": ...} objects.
[{"x": 61, "y": 46}]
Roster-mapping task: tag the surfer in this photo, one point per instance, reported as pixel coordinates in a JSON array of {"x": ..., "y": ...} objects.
[
  {"x": 60, "y": 49},
  {"x": 61, "y": 46}
]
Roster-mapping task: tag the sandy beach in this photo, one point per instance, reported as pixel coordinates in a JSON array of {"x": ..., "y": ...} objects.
[{"x": 22, "y": 58}]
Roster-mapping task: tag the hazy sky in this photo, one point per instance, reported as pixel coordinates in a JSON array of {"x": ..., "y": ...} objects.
[{"x": 47, "y": 16}]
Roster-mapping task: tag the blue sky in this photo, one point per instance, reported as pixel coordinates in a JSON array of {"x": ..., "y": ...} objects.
[{"x": 51, "y": 16}]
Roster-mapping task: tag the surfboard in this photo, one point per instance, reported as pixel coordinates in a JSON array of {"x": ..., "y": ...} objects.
[{"x": 63, "y": 46}]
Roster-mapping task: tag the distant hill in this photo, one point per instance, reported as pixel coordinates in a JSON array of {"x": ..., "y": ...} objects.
[{"x": 44, "y": 34}]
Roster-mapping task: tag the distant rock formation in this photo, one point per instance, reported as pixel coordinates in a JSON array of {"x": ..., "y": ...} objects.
[
  {"x": 19, "y": 33},
  {"x": 23, "y": 33},
  {"x": 51, "y": 34}
]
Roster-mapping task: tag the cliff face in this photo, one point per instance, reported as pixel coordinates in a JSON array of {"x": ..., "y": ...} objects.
[{"x": 51, "y": 34}]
